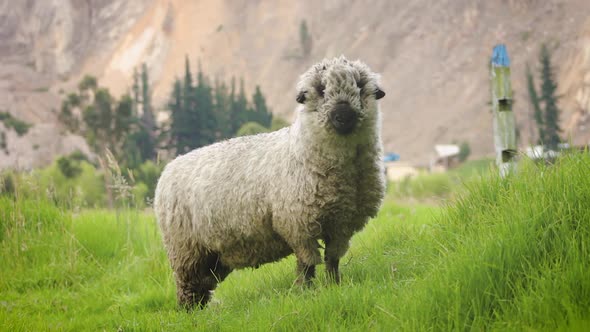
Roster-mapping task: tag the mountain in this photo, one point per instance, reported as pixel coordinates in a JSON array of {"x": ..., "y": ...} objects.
[{"x": 433, "y": 58}]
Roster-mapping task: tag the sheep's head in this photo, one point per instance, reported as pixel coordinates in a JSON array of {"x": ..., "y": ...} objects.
[{"x": 339, "y": 96}]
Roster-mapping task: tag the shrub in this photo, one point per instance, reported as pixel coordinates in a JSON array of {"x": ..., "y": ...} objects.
[
  {"x": 146, "y": 177},
  {"x": 278, "y": 123},
  {"x": 464, "y": 151},
  {"x": 19, "y": 126},
  {"x": 251, "y": 128},
  {"x": 7, "y": 184},
  {"x": 86, "y": 188}
]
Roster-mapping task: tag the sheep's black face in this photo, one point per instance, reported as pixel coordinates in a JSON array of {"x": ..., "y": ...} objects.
[
  {"x": 340, "y": 95},
  {"x": 343, "y": 118}
]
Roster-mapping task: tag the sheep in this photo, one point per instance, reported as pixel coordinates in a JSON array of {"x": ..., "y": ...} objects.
[{"x": 256, "y": 199}]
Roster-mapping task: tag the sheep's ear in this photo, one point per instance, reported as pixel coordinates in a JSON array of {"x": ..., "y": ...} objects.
[
  {"x": 379, "y": 94},
  {"x": 301, "y": 97}
]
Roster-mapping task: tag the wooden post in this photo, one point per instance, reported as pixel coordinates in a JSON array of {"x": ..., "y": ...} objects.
[{"x": 504, "y": 123}]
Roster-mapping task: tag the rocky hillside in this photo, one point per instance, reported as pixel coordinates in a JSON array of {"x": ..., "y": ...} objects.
[{"x": 432, "y": 57}]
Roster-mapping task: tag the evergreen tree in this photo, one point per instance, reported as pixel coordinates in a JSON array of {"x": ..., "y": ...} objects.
[
  {"x": 221, "y": 106},
  {"x": 123, "y": 118},
  {"x": 549, "y": 99},
  {"x": 305, "y": 39},
  {"x": 102, "y": 126},
  {"x": 147, "y": 118},
  {"x": 201, "y": 114},
  {"x": 204, "y": 107},
  {"x": 261, "y": 112},
  {"x": 135, "y": 92},
  {"x": 239, "y": 107},
  {"x": 184, "y": 116},
  {"x": 534, "y": 99},
  {"x": 146, "y": 137},
  {"x": 179, "y": 118},
  {"x": 233, "y": 111}
]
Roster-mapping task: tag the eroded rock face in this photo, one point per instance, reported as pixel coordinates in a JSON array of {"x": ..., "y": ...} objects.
[{"x": 43, "y": 45}]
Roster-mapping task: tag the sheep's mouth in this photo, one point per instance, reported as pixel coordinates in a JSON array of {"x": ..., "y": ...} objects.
[{"x": 343, "y": 118}]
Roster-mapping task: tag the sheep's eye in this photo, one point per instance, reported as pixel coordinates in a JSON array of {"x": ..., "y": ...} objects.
[
  {"x": 320, "y": 90},
  {"x": 359, "y": 84}
]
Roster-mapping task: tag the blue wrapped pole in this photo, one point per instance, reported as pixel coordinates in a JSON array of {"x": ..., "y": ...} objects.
[{"x": 504, "y": 121}]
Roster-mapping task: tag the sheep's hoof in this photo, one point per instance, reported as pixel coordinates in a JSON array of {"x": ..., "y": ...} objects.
[
  {"x": 191, "y": 298},
  {"x": 335, "y": 278}
]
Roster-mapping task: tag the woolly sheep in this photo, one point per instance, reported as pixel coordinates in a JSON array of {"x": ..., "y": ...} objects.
[{"x": 256, "y": 199}]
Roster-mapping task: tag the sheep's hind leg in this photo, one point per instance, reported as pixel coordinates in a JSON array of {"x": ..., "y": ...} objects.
[{"x": 195, "y": 283}]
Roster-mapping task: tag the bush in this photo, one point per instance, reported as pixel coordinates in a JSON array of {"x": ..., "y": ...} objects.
[
  {"x": 68, "y": 167},
  {"x": 85, "y": 189},
  {"x": 251, "y": 128},
  {"x": 19, "y": 126},
  {"x": 146, "y": 178},
  {"x": 464, "y": 151},
  {"x": 278, "y": 123},
  {"x": 7, "y": 185}
]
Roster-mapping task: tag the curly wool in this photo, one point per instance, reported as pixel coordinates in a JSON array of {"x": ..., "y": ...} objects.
[{"x": 256, "y": 199}]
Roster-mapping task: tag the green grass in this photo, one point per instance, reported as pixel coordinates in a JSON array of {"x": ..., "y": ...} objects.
[
  {"x": 509, "y": 254},
  {"x": 439, "y": 187}
]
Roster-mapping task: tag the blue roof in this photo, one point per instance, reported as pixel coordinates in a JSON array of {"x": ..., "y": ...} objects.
[{"x": 500, "y": 56}]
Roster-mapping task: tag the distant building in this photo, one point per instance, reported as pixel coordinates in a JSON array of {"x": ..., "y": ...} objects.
[{"x": 447, "y": 156}]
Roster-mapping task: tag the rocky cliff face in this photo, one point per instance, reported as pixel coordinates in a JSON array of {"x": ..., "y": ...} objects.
[
  {"x": 432, "y": 56},
  {"x": 44, "y": 44}
]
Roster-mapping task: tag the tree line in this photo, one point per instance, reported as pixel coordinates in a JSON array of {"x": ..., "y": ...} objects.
[{"x": 200, "y": 112}]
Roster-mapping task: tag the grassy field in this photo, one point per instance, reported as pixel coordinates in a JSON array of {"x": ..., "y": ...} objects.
[
  {"x": 508, "y": 254},
  {"x": 438, "y": 187}
]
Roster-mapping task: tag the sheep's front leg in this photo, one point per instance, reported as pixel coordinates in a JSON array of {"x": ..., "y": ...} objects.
[
  {"x": 308, "y": 256},
  {"x": 335, "y": 249},
  {"x": 304, "y": 273}
]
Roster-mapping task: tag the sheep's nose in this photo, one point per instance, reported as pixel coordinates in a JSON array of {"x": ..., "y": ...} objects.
[{"x": 343, "y": 118}]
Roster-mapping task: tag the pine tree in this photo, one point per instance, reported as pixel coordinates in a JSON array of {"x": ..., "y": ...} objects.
[
  {"x": 239, "y": 108},
  {"x": 549, "y": 99},
  {"x": 188, "y": 123},
  {"x": 534, "y": 99},
  {"x": 305, "y": 39},
  {"x": 104, "y": 118},
  {"x": 147, "y": 125},
  {"x": 221, "y": 105},
  {"x": 261, "y": 112},
  {"x": 147, "y": 118},
  {"x": 179, "y": 118},
  {"x": 204, "y": 108},
  {"x": 135, "y": 92}
]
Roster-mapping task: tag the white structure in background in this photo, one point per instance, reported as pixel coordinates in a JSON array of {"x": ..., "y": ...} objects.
[
  {"x": 447, "y": 155},
  {"x": 539, "y": 151}
]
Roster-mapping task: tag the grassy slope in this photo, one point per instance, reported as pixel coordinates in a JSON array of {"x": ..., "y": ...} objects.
[{"x": 509, "y": 255}]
